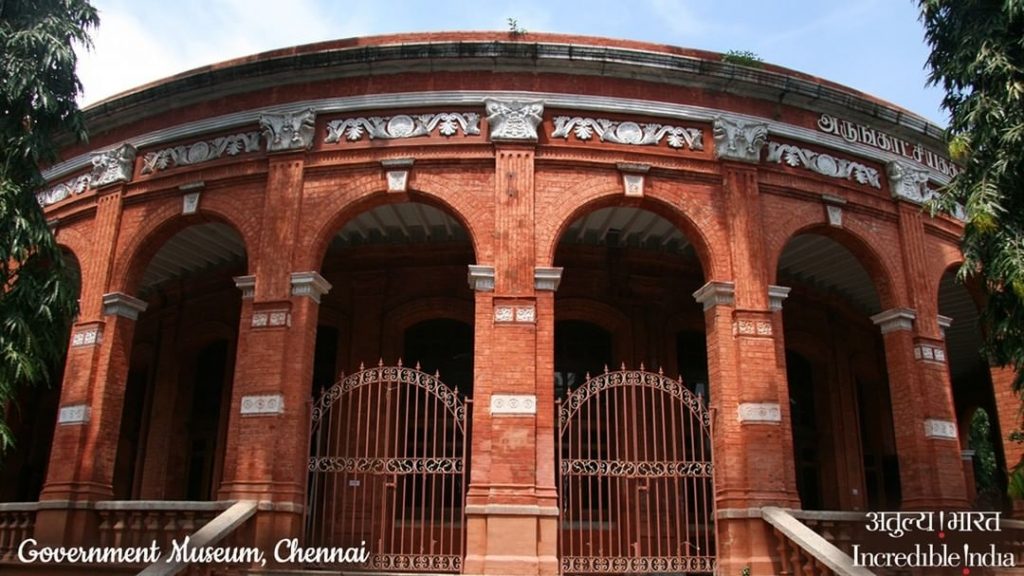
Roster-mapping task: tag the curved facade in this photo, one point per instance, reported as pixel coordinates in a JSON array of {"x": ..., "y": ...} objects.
[{"x": 615, "y": 300}]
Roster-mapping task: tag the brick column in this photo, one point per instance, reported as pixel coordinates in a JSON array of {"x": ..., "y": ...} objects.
[
  {"x": 1011, "y": 419},
  {"x": 511, "y": 506},
  {"x": 931, "y": 470}
]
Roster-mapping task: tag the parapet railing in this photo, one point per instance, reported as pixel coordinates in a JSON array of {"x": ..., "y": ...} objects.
[{"x": 17, "y": 523}]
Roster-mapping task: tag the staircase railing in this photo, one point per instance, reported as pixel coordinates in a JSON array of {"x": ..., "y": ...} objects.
[
  {"x": 804, "y": 552},
  {"x": 213, "y": 532}
]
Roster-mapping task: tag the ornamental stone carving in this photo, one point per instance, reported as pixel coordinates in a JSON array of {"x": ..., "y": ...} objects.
[
  {"x": 202, "y": 151},
  {"x": 628, "y": 132},
  {"x": 64, "y": 190},
  {"x": 112, "y": 166},
  {"x": 512, "y": 120},
  {"x": 446, "y": 124},
  {"x": 291, "y": 131},
  {"x": 908, "y": 182},
  {"x": 823, "y": 164},
  {"x": 739, "y": 140}
]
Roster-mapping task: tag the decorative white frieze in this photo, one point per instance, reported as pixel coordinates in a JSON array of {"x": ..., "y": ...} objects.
[
  {"x": 271, "y": 319},
  {"x": 776, "y": 294},
  {"x": 190, "y": 201},
  {"x": 738, "y": 139},
  {"x": 547, "y": 278},
  {"x": 446, "y": 124},
  {"x": 715, "y": 293},
  {"x": 396, "y": 170},
  {"x": 526, "y": 314},
  {"x": 87, "y": 336},
  {"x": 291, "y": 131},
  {"x": 74, "y": 414},
  {"x": 752, "y": 328},
  {"x": 513, "y": 404},
  {"x": 247, "y": 284},
  {"x": 759, "y": 413},
  {"x": 481, "y": 278},
  {"x": 895, "y": 319},
  {"x": 64, "y": 190},
  {"x": 309, "y": 284},
  {"x": 943, "y": 429},
  {"x": 262, "y": 405},
  {"x": 123, "y": 305},
  {"x": 513, "y": 120},
  {"x": 632, "y": 133},
  {"x": 202, "y": 151},
  {"x": 515, "y": 314},
  {"x": 930, "y": 353},
  {"x": 503, "y": 314},
  {"x": 112, "y": 166},
  {"x": 824, "y": 164},
  {"x": 907, "y": 182}
]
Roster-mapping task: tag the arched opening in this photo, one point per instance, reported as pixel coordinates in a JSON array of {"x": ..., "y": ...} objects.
[
  {"x": 625, "y": 313},
  {"x": 843, "y": 437},
  {"x": 973, "y": 392},
  {"x": 393, "y": 435},
  {"x": 32, "y": 416},
  {"x": 177, "y": 393}
]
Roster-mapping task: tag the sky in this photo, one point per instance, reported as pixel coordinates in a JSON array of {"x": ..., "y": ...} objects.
[{"x": 875, "y": 46}]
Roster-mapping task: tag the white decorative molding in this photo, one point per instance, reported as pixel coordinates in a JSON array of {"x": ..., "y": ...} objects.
[
  {"x": 716, "y": 293},
  {"x": 776, "y": 294},
  {"x": 738, "y": 139},
  {"x": 835, "y": 215},
  {"x": 503, "y": 314},
  {"x": 202, "y": 151},
  {"x": 944, "y": 323},
  {"x": 513, "y": 404},
  {"x": 262, "y": 404},
  {"x": 824, "y": 164},
  {"x": 74, "y": 414},
  {"x": 526, "y": 314},
  {"x": 908, "y": 182},
  {"x": 396, "y": 171},
  {"x": 288, "y": 131},
  {"x": 513, "y": 120},
  {"x": 87, "y": 336},
  {"x": 481, "y": 278},
  {"x": 309, "y": 284},
  {"x": 112, "y": 166},
  {"x": 942, "y": 429},
  {"x": 760, "y": 413},
  {"x": 64, "y": 190},
  {"x": 632, "y": 133},
  {"x": 547, "y": 278},
  {"x": 247, "y": 284},
  {"x": 190, "y": 203},
  {"x": 446, "y": 124},
  {"x": 858, "y": 133},
  {"x": 752, "y": 328},
  {"x": 123, "y": 305},
  {"x": 633, "y": 185},
  {"x": 271, "y": 319},
  {"x": 930, "y": 353},
  {"x": 895, "y": 319}
]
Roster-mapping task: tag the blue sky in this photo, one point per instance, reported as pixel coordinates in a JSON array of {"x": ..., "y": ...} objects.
[{"x": 875, "y": 46}]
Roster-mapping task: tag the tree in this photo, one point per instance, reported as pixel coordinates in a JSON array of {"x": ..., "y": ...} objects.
[
  {"x": 978, "y": 58},
  {"x": 38, "y": 91}
]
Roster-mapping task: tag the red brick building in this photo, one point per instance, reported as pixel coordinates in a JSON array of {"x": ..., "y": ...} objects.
[{"x": 616, "y": 299}]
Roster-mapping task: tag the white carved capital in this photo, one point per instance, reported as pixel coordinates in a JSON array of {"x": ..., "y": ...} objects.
[
  {"x": 290, "y": 131},
  {"x": 907, "y": 182},
  {"x": 123, "y": 305},
  {"x": 481, "y": 278},
  {"x": 247, "y": 284},
  {"x": 715, "y": 293},
  {"x": 547, "y": 278},
  {"x": 776, "y": 294},
  {"x": 112, "y": 166},
  {"x": 513, "y": 120},
  {"x": 944, "y": 323},
  {"x": 309, "y": 284},
  {"x": 895, "y": 319},
  {"x": 739, "y": 140}
]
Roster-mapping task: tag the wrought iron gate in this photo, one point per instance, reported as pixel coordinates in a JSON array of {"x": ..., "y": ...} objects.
[
  {"x": 635, "y": 477},
  {"x": 388, "y": 467}
]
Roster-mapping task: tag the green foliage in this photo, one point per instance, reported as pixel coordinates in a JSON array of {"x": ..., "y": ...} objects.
[
  {"x": 514, "y": 30},
  {"x": 984, "y": 457},
  {"x": 978, "y": 59},
  {"x": 38, "y": 91},
  {"x": 743, "y": 58}
]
